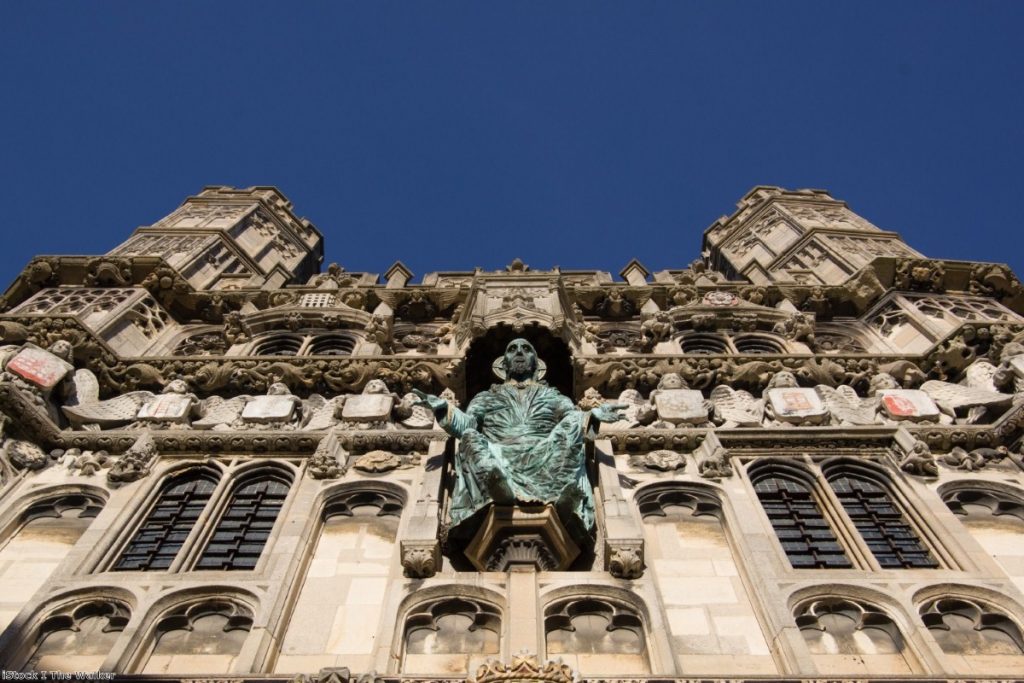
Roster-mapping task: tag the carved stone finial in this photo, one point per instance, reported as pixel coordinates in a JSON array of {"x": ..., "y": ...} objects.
[
  {"x": 136, "y": 462},
  {"x": 914, "y": 455},
  {"x": 330, "y": 460},
  {"x": 525, "y": 668},
  {"x": 712, "y": 458}
]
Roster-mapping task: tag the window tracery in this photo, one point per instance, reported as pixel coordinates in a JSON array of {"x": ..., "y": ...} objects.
[
  {"x": 593, "y": 626},
  {"x": 200, "y": 637},
  {"x": 453, "y": 626},
  {"x": 972, "y": 627},
  {"x": 832, "y": 626},
  {"x": 78, "y": 635}
]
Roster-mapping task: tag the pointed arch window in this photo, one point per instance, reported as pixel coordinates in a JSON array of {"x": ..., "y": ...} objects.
[
  {"x": 880, "y": 521},
  {"x": 161, "y": 536},
  {"x": 794, "y": 512},
  {"x": 245, "y": 525}
]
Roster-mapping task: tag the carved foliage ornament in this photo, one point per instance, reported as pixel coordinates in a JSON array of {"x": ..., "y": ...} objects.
[{"x": 524, "y": 668}]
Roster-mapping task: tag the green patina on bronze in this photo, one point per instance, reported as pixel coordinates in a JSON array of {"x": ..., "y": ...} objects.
[{"x": 522, "y": 442}]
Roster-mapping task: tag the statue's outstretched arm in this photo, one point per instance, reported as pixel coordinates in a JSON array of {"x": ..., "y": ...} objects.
[{"x": 451, "y": 419}]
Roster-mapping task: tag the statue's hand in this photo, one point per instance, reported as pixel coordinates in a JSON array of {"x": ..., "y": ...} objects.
[
  {"x": 437, "y": 405},
  {"x": 609, "y": 412}
]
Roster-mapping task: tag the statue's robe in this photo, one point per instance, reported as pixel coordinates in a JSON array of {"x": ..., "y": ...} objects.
[{"x": 521, "y": 444}]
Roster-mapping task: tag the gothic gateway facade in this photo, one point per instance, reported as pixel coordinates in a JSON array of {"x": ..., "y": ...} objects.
[{"x": 214, "y": 464}]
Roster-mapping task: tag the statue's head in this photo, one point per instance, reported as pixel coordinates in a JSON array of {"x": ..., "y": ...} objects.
[
  {"x": 672, "y": 380},
  {"x": 881, "y": 381},
  {"x": 278, "y": 389},
  {"x": 783, "y": 380},
  {"x": 62, "y": 349},
  {"x": 176, "y": 386},
  {"x": 520, "y": 360},
  {"x": 376, "y": 386}
]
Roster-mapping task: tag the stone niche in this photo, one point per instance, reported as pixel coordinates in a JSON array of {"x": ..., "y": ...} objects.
[{"x": 522, "y": 535}]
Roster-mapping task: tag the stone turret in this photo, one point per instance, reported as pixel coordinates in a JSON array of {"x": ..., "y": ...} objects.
[
  {"x": 800, "y": 236},
  {"x": 227, "y": 238}
]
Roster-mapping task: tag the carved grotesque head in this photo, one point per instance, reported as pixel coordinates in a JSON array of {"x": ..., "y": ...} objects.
[
  {"x": 672, "y": 380},
  {"x": 62, "y": 349},
  {"x": 176, "y": 386},
  {"x": 376, "y": 386},
  {"x": 278, "y": 389},
  {"x": 783, "y": 380},
  {"x": 882, "y": 380},
  {"x": 520, "y": 360}
]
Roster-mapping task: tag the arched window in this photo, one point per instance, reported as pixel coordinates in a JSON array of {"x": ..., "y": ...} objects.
[
  {"x": 796, "y": 516},
  {"x": 340, "y": 605},
  {"x": 702, "y": 344},
  {"x": 995, "y": 518},
  {"x": 79, "y": 636},
  {"x": 331, "y": 345},
  {"x": 43, "y": 536},
  {"x": 879, "y": 520},
  {"x": 602, "y": 636},
  {"x": 278, "y": 345},
  {"x": 700, "y": 583},
  {"x": 848, "y": 636},
  {"x": 971, "y": 627},
  {"x": 246, "y": 522},
  {"x": 450, "y": 635},
  {"x": 158, "y": 540},
  {"x": 757, "y": 344},
  {"x": 200, "y": 637}
]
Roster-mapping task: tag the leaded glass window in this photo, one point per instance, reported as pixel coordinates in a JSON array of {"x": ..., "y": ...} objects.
[
  {"x": 169, "y": 522},
  {"x": 245, "y": 525},
  {"x": 802, "y": 529},
  {"x": 880, "y": 523}
]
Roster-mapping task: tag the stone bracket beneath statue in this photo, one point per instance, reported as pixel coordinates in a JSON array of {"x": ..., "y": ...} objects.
[
  {"x": 624, "y": 539},
  {"x": 522, "y": 535},
  {"x": 420, "y": 543}
]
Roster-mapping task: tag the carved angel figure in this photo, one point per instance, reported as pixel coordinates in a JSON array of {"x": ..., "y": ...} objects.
[
  {"x": 736, "y": 408},
  {"x": 87, "y": 411},
  {"x": 847, "y": 408},
  {"x": 967, "y": 404},
  {"x": 785, "y": 402}
]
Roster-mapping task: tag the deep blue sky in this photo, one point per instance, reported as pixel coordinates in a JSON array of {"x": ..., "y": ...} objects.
[{"x": 452, "y": 135}]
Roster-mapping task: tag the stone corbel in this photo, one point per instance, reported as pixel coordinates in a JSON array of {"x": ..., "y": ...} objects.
[
  {"x": 421, "y": 558},
  {"x": 624, "y": 540},
  {"x": 712, "y": 458},
  {"x": 421, "y": 548},
  {"x": 330, "y": 460}
]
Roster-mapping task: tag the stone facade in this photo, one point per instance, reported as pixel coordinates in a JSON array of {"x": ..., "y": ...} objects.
[{"x": 213, "y": 467}]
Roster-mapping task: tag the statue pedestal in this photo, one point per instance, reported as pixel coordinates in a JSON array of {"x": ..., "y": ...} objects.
[{"x": 522, "y": 535}]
